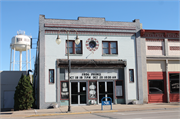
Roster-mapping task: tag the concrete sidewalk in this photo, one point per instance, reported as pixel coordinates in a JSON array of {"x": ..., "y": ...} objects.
[{"x": 87, "y": 109}]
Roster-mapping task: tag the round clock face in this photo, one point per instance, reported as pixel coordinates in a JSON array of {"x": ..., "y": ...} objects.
[{"x": 92, "y": 44}]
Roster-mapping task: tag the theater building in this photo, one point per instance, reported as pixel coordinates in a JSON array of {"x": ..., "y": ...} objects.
[
  {"x": 162, "y": 49},
  {"x": 106, "y": 62}
]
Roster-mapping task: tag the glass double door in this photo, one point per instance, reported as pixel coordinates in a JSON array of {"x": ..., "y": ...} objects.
[
  {"x": 105, "y": 90},
  {"x": 78, "y": 92}
]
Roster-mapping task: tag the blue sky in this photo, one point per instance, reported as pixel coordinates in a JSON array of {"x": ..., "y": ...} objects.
[{"x": 24, "y": 15}]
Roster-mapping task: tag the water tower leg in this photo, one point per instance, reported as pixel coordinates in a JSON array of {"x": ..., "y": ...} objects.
[
  {"x": 14, "y": 59},
  {"x": 10, "y": 59},
  {"x": 20, "y": 61},
  {"x": 30, "y": 57},
  {"x": 26, "y": 59}
]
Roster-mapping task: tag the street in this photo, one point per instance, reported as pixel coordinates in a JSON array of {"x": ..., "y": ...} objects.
[{"x": 150, "y": 114}]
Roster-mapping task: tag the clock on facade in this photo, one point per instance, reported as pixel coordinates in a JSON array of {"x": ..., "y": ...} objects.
[{"x": 92, "y": 44}]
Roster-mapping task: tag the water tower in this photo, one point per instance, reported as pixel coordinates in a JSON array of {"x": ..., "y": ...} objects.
[{"x": 21, "y": 42}]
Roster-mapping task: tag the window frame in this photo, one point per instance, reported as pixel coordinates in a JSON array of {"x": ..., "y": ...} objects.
[
  {"x": 62, "y": 91},
  {"x": 129, "y": 76},
  {"x": 49, "y": 76},
  {"x": 74, "y": 46},
  {"x": 109, "y": 47}
]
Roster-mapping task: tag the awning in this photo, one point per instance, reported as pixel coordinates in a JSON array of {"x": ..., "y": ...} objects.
[{"x": 92, "y": 63}]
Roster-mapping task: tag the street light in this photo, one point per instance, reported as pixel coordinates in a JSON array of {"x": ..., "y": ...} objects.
[{"x": 77, "y": 41}]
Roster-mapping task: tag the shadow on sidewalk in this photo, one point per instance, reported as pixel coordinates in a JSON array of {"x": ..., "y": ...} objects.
[{"x": 1, "y": 113}]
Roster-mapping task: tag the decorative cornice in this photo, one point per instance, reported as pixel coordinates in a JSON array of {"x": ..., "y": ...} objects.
[
  {"x": 154, "y": 40},
  {"x": 90, "y": 26},
  {"x": 173, "y": 40},
  {"x": 55, "y": 32},
  {"x": 159, "y": 34}
]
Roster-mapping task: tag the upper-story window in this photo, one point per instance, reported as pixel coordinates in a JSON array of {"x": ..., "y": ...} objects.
[
  {"x": 110, "y": 47},
  {"x": 73, "y": 47},
  {"x": 51, "y": 75}
]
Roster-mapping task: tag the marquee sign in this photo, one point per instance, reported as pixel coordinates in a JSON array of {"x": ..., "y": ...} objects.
[
  {"x": 92, "y": 44},
  {"x": 77, "y": 74}
]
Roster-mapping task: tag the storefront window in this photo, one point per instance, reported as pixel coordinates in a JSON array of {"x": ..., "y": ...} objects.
[
  {"x": 64, "y": 90},
  {"x": 156, "y": 86},
  {"x": 92, "y": 89},
  {"x": 119, "y": 89},
  {"x": 174, "y": 82}
]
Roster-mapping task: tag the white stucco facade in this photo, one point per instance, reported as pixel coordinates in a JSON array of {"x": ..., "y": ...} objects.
[
  {"x": 53, "y": 51},
  {"x": 122, "y": 85}
]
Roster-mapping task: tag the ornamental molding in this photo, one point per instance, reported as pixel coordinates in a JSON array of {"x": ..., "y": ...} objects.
[
  {"x": 54, "y": 32},
  {"x": 90, "y": 26},
  {"x": 96, "y": 45},
  {"x": 159, "y": 34}
]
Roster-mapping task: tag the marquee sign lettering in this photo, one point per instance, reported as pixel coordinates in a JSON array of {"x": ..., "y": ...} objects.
[{"x": 92, "y": 74}]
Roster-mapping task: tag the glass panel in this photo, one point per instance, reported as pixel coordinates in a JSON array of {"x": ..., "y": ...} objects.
[
  {"x": 51, "y": 76},
  {"x": 174, "y": 83},
  {"x": 79, "y": 45},
  {"x": 105, "y": 45},
  {"x": 82, "y": 99},
  {"x": 113, "y": 51},
  {"x": 92, "y": 89},
  {"x": 64, "y": 90},
  {"x": 70, "y": 43},
  {"x": 131, "y": 75},
  {"x": 110, "y": 90},
  {"x": 105, "y": 51},
  {"x": 156, "y": 86},
  {"x": 82, "y": 92},
  {"x": 78, "y": 51},
  {"x": 113, "y": 44},
  {"x": 119, "y": 88},
  {"x": 92, "y": 44},
  {"x": 74, "y": 92},
  {"x": 101, "y": 90},
  {"x": 70, "y": 50},
  {"x": 74, "y": 99},
  {"x": 82, "y": 88}
]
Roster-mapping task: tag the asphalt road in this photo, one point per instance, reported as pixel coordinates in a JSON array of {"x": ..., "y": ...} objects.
[{"x": 150, "y": 114}]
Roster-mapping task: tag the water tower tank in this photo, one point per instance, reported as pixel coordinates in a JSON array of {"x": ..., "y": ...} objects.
[{"x": 21, "y": 42}]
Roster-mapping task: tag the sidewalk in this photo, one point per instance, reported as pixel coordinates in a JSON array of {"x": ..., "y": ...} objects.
[{"x": 87, "y": 109}]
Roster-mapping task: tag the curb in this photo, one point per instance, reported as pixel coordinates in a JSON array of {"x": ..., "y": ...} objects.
[
  {"x": 73, "y": 113},
  {"x": 99, "y": 112}
]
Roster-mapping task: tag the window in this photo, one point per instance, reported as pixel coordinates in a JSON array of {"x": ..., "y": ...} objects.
[
  {"x": 174, "y": 82},
  {"x": 131, "y": 75},
  {"x": 119, "y": 89},
  {"x": 110, "y": 47},
  {"x": 73, "y": 48},
  {"x": 51, "y": 75},
  {"x": 92, "y": 89},
  {"x": 156, "y": 86},
  {"x": 64, "y": 90}
]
